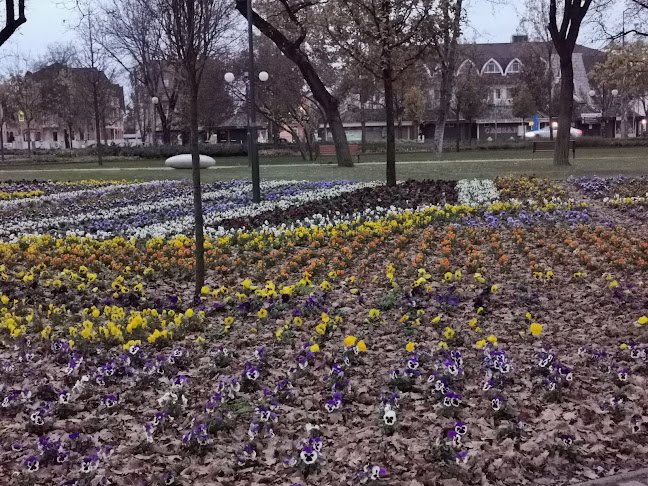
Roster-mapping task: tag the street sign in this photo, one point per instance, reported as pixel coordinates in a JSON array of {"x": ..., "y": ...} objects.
[{"x": 21, "y": 116}]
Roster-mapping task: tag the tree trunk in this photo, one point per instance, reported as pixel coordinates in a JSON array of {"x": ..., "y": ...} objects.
[
  {"x": 561, "y": 153},
  {"x": 197, "y": 192},
  {"x": 624, "y": 118},
  {"x": 300, "y": 143},
  {"x": 165, "y": 125},
  {"x": 339, "y": 136},
  {"x": 330, "y": 104},
  {"x": 363, "y": 127},
  {"x": 95, "y": 101},
  {"x": 458, "y": 137},
  {"x": 29, "y": 146},
  {"x": 2, "y": 141},
  {"x": 71, "y": 136},
  {"x": 444, "y": 105},
  {"x": 309, "y": 143},
  {"x": 391, "y": 135},
  {"x": 470, "y": 131}
]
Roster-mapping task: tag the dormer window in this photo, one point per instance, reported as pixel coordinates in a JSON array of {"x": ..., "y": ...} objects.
[
  {"x": 491, "y": 67},
  {"x": 515, "y": 67}
]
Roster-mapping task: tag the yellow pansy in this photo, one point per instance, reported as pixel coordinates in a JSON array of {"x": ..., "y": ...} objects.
[{"x": 350, "y": 340}]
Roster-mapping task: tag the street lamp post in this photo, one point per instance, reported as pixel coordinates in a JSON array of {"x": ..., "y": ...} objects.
[
  {"x": 154, "y": 101},
  {"x": 253, "y": 155},
  {"x": 623, "y": 33}
]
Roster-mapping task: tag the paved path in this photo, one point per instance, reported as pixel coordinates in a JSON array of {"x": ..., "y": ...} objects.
[
  {"x": 636, "y": 478},
  {"x": 301, "y": 164}
]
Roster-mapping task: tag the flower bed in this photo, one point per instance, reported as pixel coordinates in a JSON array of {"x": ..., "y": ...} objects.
[{"x": 347, "y": 334}]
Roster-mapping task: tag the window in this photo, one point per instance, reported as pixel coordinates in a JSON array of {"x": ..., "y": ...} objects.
[
  {"x": 55, "y": 136},
  {"x": 515, "y": 67},
  {"x": 491, "y": 67},
  {"x": 498, "y": 93}
]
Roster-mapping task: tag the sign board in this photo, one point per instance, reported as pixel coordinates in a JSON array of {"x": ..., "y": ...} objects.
[
  {"x": 354, "y": 135},
  {"x": 536, "y": 123},
  {"x": 501, "y": 129},
  {"x": 21, "y": 116}
]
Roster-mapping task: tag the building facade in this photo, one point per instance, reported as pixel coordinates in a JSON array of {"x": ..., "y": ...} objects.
[
  {"x": 64, "y": 117},
  {"x": 500, "y": 70}
]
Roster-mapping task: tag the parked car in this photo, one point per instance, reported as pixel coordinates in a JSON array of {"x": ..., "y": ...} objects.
[{"x": 544, "y": 133}]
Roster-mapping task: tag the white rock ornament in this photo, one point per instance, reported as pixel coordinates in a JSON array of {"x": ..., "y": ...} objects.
[{"x": 183, "y": 161}]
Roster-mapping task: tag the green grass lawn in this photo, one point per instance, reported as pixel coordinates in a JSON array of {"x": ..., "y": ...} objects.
[{"x": 468, "y": 164}]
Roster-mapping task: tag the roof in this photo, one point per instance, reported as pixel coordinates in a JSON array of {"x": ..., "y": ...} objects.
[
  {"x": 370, "y": 115},
  {"x": 240, "y": 120},
  {"x": 57, "y": 67},
  {"x": 506, "y": 52}
]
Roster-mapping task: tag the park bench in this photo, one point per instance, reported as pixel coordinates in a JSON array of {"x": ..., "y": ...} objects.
[
  {"x": 330, "y": 150},
  {"x": 550, "y": 146}
]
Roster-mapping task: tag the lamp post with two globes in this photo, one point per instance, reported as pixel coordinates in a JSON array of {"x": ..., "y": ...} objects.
[
  {"x": 253, "y": 154},
  {"x": 154, "y": 102}
]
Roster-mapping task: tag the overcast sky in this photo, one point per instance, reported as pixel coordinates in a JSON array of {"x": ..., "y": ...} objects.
[{"x": 48, "y": 21}]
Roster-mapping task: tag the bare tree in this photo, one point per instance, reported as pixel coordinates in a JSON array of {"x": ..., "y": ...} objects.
[
  {"x": 632, "y": 21},
  {"x": 59, "y": 53},
  {"x": 537, "y": 56},
  {"x": 27, "y": 93},
  {"x": 95, "y": 67},
  {"x": 386, "y": 38},
  {"x": 289, "y": 34},
  {"x": 445, "y": 37},
  {"x": 133, "y": 38},
  {"x": 215, "y": 105},
  {"x": 138, "y": 107},
  {"x": 415, "y": 106},
  {"x": 564, "y": 39},
  {"x": 13, "y": 21},
  {"x": 523, "y": 104},
  {"x": 7, "y": 108},
  {"x": 623, "y": 68},
  {"x": 471, "y": 96},
  {"x": 194, "y": 31},
  {"x": 285, "y": 99}
]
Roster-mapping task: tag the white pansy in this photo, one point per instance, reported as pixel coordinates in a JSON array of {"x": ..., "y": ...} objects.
[{"x": 477, "y": 192}]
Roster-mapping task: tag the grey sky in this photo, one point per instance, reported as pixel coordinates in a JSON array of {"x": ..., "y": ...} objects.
[{"x": 48, "y": 21}]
